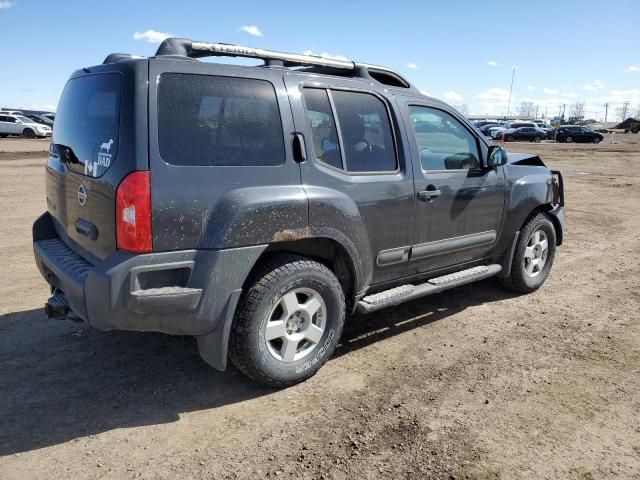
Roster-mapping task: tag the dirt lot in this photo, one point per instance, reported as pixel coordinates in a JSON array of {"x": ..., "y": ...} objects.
[{"x": 472, "y": 383}]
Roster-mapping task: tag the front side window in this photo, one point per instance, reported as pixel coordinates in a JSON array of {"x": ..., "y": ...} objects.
[
  {"x": 365, "y": 143},
  {"x": 443, "y": 142},
  {"x": 206, "y": 120}
]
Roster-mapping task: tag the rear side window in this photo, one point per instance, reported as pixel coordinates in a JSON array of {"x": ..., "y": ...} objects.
[
  {"x": 366, "y": 133},
  {"x": 87, "y": 123},
  {"x": 206, "y": 120},
  {"x": 364, "y": 143},
  {"x": 323, "y": 128}
]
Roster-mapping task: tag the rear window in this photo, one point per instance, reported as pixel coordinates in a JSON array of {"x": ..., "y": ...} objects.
[
  {"x": 206, "y": 120},
  {"x": 85, "y": 136}
]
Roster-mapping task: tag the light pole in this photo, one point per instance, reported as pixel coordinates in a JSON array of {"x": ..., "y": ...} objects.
[{"x": 513, "y": 74}]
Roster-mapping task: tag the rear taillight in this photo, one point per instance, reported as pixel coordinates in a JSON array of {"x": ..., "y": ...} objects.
[{"x": 133, "y": 213}]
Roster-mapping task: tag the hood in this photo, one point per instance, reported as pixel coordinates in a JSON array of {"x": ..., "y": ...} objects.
[{"x": 531, "y": 159}]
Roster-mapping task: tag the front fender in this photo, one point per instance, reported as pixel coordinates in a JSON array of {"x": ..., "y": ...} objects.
[{"x": 529, "y": 188}]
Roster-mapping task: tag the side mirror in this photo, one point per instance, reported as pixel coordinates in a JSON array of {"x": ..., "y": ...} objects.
[{"x": 497, "y": 156}]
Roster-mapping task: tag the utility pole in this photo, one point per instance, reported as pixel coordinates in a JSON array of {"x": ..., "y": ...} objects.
[
  {"x": 606, "y": 111},
  {"x": 513, "y": 74},
  {"x": 536, "y": 111}
]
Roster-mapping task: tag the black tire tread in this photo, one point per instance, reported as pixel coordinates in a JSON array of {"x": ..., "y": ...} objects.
[
  {"x": 514, "y": 281},
  {"x": 264, "y": 278}
]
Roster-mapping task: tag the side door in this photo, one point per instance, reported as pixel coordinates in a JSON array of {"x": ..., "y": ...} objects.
[
  {"x": 4, "y": 125},
  {"x": 11, "y": 125},
  {"x": 460, "y": 203},
  {"x": 357, "y": 175}
]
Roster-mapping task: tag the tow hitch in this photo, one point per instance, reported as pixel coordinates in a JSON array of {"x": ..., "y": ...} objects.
[{"x": 57, "y": 307}]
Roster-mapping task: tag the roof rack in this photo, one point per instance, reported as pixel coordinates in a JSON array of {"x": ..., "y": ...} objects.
[{"x": 189, "y": 48}]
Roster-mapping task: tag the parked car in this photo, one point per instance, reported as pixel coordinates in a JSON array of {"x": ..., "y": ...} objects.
[
  {"x": 11, "y": 112},
  {"x": 41, "y": 119},
  {"x": 485, "y": 129},
  {"x": 256, "y": 220},
  {"x": 524, "y": 133},
  {"x": 577, "y": 133},
  {"x": 496, "y": 132},
  {"x": 21, "y": 125}
]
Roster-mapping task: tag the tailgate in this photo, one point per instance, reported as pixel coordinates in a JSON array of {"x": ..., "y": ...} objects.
[{"x": 93, "y": 148}]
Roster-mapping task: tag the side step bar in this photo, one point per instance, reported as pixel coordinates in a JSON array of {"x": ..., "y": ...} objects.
[{"x": 404, "y": 293}]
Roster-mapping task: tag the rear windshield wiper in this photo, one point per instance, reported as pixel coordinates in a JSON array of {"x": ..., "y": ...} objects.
[{"x": 64, "y": 152}]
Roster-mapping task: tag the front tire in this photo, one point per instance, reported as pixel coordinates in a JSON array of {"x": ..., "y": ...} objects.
[
  {"x": 596, "y": 140},
  {"x": 28, "y": 133},
  {"x": 568, "y": 139},
  {"x": 288, "y": 322},
  {"x": 537, "y": 139},
  {"x": 533, "y": 256},
  {"x": 509, "y": 139}
]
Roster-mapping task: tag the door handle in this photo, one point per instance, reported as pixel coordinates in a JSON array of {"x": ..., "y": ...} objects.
[
  {"x": 299, "y": 147},
  {"x": 429, "y": 194}
]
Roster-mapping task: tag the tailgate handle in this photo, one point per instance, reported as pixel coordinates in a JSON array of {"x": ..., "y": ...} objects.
[{"x": 87, "y": 229}]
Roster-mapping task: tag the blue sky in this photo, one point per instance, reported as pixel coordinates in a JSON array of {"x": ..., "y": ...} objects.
[{"x": 460, "y": 51}]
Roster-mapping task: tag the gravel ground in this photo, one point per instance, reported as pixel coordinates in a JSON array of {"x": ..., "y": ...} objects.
[{"x": 472, "y": 383}]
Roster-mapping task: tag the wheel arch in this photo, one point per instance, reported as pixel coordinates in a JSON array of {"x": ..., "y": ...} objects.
[
  {"x": 548, "y": 210},
  {"x": 328, "y": 251}
]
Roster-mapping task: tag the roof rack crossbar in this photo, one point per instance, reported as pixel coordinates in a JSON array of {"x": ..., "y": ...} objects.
[{"x": 189, "y": 48}]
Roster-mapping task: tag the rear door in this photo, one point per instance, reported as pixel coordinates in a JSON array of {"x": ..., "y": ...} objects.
[
  {"x": 4, "y": 125},
  {"x": 357, "y": 174},
  {"x": 11, "y": 125},
  {"x": 100, "y": 136},
  {"x": 460, "y": 203},
  {"x": 222, "y": 169}
]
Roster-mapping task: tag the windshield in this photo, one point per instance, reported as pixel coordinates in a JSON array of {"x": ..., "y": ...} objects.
[
  {"x": 87, "y": 123},
  {"x": 24, "y": 119}
]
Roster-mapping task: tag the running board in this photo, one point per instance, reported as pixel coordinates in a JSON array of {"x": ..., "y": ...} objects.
[{"x": 404, "y": 293}]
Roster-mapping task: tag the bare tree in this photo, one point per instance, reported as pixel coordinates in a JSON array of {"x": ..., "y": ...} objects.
[
  {"x": 577, "y": 110},
  {"x": 623, "y": 112},
  {"x": 463, "y": 108},
  {"x": 526, "y": 109}
]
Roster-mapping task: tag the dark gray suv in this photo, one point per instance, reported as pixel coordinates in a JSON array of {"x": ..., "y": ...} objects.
[{"x": 255, "y": 207}]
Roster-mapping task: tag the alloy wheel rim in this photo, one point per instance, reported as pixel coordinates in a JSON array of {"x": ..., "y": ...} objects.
[
  {"x": 296, "y": 325},
  {"x": 535, "y": 254}
]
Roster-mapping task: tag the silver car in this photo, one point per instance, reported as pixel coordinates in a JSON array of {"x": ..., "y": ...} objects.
[{"x": 21, "y": 125}]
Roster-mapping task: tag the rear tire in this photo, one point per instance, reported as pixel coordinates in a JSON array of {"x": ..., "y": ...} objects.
[
  {"x": 288, "y": 322},
  {"x": 568, "y": 139},
  {"x": 509, "y": 139},
  {"x": 28, "y": 133},
  {"x": 533, "y": 256}
]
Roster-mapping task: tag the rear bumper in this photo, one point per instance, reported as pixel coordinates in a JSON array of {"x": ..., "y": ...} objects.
[{"x": 184, "y": 292}]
